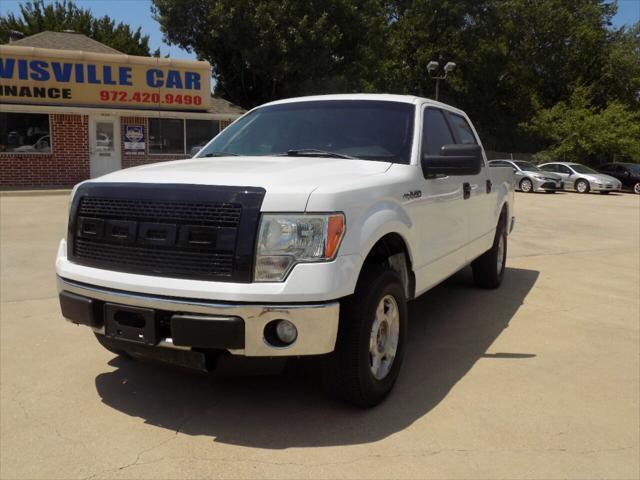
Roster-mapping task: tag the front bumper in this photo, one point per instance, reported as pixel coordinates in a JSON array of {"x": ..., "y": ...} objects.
[
  {"x": 317, "y": 323},
  {"x": 605, "y": 187},
  {"x": 547, "y": 185}
]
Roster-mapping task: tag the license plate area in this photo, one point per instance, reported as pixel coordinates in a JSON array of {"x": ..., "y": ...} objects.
[{"x": 134, "y": 324}]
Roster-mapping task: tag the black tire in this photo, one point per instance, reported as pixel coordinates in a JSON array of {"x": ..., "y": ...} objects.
[
  {"x": 587, "y": 187},
  {"x": 104, "y": 341},
  {"x": 636, "y": 188},
  {"x": 526, "y": 185},
  {"x": 486, "y": 271},
  {"x": 348, "y": 371}
]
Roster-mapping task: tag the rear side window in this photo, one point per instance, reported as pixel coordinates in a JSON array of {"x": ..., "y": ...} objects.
[
  {"x": 462, "y": 129},
  {"x": 435, "y": 132}
]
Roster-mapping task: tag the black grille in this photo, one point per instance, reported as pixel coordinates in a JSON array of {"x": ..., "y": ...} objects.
[
  {"x": 181, "y": 231},
  {"x": 196, "y": 263},
  {"x": 205, "y": 213}
]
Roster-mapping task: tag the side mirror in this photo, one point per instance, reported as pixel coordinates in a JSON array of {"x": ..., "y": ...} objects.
[{"x": 453, "y": 160}]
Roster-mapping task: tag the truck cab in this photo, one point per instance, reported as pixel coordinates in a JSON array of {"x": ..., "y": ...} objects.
[{"x": 301, "y": 229}]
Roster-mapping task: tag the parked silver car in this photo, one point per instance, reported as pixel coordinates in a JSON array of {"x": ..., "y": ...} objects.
[
  {"x": 530, "y": 178},
  {"x": 583, "y": 179}
]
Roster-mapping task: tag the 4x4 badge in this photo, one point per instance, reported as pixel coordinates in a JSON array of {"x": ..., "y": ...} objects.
[{"x": 412, "y": 195}]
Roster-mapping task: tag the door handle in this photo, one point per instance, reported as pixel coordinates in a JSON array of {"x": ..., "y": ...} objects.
[
  {"x": 466, "y": 190},
  {"x": 489, "y": 186}
]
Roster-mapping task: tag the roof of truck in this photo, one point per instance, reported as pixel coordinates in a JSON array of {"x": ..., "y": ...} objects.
[{"x": 384, "y": 97}]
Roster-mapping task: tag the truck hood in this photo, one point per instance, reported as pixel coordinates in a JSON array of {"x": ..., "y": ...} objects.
[{"x": 288, "y": 181}]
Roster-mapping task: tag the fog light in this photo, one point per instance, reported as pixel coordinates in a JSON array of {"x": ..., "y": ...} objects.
[{"x": 286, "y": 331}]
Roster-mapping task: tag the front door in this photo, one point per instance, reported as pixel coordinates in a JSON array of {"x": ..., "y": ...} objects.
[
  {"x": 104, "y": 145},
  {"x": 440, "y": 212},
  {"x": 568, "y": 177}
]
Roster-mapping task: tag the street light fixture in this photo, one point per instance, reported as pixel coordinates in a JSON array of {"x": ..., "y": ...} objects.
[{"x": 432, "y": 68}]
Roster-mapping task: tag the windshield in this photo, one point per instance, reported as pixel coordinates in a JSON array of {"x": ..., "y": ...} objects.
[
  {"x": 579, "y": 168},
  {"x": 372, "y": 130},
  {"x": 527, "y": 166}
]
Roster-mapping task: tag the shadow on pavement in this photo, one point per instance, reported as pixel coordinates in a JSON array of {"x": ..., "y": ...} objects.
[{"x": 450, "y": 328}]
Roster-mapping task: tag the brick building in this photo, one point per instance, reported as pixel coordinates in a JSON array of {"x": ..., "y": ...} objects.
[{"x": 72, "y": 108}]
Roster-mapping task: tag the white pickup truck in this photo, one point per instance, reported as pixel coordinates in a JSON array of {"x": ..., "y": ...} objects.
[{"x": 301, "y": 229}]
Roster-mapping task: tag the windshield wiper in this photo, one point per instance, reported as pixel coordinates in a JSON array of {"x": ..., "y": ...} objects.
[
  {"x": 220, "y": 154},
  {"x": 312, "y": 152}
]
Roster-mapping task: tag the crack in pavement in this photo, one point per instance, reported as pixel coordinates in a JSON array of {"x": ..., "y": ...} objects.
[
  {"x": 425, "y": 453},
  {"x": 139, "y": 455}
]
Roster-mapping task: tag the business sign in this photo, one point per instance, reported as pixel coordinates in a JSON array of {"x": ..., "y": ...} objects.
[
  {"x": 134, "y": 139},
  {"x": 66, "y": 77}
]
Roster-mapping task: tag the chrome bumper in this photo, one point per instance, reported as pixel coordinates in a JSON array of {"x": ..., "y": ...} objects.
[{"x": 317, "y": 323}]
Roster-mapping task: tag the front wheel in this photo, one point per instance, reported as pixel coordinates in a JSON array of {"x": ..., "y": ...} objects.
[
  {"x": 371, "y": 339},
  {"x": 636, "y": 188},
  {"x": 488, "y": 269},
  {"x": 582, "y": 186},
  {"x": 526, "y": 185}
]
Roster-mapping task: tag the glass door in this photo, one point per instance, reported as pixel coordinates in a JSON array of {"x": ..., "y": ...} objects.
[{"x": 104, "y": 145}]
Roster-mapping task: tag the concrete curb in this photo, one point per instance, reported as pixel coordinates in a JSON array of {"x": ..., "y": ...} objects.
[{"x": 27, "y": 193}]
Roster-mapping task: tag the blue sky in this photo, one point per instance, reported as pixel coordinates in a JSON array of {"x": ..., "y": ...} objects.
[{"x": 138, "y": 14}]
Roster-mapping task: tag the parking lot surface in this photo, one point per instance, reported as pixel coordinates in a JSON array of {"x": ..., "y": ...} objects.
[{"x": 538, "y": 379}]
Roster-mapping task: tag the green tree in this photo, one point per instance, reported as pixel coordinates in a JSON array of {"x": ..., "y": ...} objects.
[
  {"x": 512, "y": 56},
  {"x": 266, "y": 49},
  {"x": 36, "y": 16},
  {"x": 576, "y": 130}
]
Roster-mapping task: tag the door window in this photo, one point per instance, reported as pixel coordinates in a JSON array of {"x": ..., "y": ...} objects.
[
  {"x": 462, "y": 129},
  {"x": 550, "y": 168},
  {"x": 104, "y": 136},
  {"x": 564, "y": 169},
  {"x": 435, "y": 132}
]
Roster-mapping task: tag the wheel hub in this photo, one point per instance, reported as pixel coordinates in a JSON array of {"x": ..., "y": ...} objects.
[
  {"x": 383, "y": 344},
  {"x": 500, "y": 254}
]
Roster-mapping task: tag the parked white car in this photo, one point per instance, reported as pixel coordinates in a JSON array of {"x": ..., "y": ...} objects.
[
  {"x": 582, "y": 179},
  {"x": 302, "y": 229}
]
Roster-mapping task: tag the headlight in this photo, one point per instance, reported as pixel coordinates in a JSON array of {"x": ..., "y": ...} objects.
[
  {"x": 539, "y": 177},
  {"x": 286, "y": 240}
]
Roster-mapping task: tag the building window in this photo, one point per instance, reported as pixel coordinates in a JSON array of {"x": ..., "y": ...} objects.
[
  {"x": 24, "y": 133},
  {"x": 199, "y": 132},
  {"x": 166, "y": 135}
]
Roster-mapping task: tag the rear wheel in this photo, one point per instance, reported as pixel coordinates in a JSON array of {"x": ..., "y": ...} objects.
[
  {"x": 526, "y": 185},
  {"x": 488, "y": 269},
  {"x": 582, "y": 186},
  {"x": 371, "y": 339}
]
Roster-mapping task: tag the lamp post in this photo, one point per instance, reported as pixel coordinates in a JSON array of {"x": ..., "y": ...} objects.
[{"x": 432, "y": 68}]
